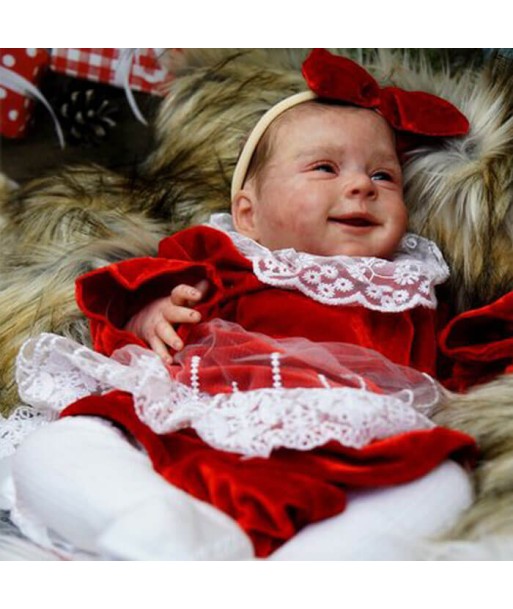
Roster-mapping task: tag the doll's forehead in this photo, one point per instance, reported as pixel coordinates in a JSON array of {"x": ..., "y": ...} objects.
[
  {"x": 310, "y": 109},
  {"x": 291, "y": 107},
  {"x": 277, "y": 131}
]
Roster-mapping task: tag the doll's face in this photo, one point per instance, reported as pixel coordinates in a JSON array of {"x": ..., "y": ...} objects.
[{"x": 332, "y": 185}]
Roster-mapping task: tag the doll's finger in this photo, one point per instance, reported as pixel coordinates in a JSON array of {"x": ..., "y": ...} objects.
[
  {"x": 158, "y": 347},
  {"x": 202, "y": 287},
  {"x": 180, "y": 315},
  {"x": 165, "y": 332},
  {"x": 185, "y": 295}
]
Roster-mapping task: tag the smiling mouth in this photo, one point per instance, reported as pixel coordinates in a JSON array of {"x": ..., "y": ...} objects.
[{"x": 355, "y": 221}]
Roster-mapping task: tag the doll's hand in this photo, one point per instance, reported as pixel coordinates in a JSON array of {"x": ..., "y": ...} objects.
[{"x": 154, "y": 323}]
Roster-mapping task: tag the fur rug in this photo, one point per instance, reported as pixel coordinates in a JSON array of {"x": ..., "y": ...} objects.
[{"x": 459, "y": 193}]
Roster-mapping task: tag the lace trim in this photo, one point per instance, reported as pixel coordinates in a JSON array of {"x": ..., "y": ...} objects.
[
  {"x": 395, "y": 285},
  {"x": 22, "y": 422},
  {"x": 256, "y": 422},
  {"x": 53, "y": 371}
]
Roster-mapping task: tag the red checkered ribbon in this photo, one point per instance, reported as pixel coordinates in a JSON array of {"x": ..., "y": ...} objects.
[{"x": 139, "y": 68}]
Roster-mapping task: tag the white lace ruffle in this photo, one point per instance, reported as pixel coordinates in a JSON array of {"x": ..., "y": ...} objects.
[
  {"x": 254, "y": 423},
  {"x": 22, "y": 422},
  {"x": 53, "y": 372},
  {"x": 395, "y": 285}
]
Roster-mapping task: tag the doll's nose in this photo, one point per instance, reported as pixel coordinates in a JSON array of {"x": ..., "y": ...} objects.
[{"x": 360, "y": 186}]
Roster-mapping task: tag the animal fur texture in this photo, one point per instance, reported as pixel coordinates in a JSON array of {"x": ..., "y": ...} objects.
[{"x": 459, "y": 193}]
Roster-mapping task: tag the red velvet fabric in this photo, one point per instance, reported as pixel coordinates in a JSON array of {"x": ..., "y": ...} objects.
[
  {"x": 478, "y": 345},
  {"x": 338, "y": 78},
  {"x": 273, "y": 498},
  {"x": 270, "y": 498},
  {"x": 110, "y": 295}
]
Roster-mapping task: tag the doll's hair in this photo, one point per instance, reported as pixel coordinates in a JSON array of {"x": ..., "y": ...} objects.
[
  {"x": 262, "y": 154},
  {"x": 240, "y": 173},
  {"x": 266, "y": 145}
]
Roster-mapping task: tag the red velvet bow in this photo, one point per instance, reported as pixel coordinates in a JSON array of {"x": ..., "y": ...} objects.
[{"x": 338, "y": 78}]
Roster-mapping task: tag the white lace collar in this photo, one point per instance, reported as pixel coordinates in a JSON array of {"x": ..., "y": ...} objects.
[{"x": 395, "y": 285}]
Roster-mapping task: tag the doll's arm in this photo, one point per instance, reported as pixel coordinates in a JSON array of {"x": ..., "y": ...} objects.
[
  {"x": 112, "y": 296},
  {"x": 154, "y": 322}
]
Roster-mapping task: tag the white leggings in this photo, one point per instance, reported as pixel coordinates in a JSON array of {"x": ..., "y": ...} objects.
[{"x": 80, "y": 480}]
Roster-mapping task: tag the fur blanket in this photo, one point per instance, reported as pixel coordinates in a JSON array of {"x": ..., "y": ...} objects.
[{"x": 459, "y": 193}]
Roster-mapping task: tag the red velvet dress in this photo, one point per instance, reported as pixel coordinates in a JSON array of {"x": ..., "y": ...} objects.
[{"x": 274, "y": 496}]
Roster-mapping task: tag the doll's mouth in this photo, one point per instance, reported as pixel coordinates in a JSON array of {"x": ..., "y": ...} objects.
[{"x": 356, "y": 221}]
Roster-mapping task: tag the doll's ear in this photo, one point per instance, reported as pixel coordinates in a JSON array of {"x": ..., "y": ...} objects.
[{"x": 244, "y": 213}]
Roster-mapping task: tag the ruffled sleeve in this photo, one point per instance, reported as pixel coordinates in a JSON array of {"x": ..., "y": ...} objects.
[
  {"x": 111, "y": 295},
  {"x": 479, "y": 344}
]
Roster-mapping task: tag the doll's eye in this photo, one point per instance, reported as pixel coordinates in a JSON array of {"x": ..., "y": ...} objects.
[
  {"x": 384, "y": 176},
  {"x": 326, "y": 167}
]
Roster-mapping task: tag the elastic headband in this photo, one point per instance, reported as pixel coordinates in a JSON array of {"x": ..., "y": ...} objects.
[
  {"x": 241, "y": 169},
  {"x": 334, "y": 78}
]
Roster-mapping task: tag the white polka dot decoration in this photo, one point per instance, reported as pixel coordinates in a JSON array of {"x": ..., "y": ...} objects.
[
  {"x": 8, "y": 61},
  {"x": 15, "y": 108}
]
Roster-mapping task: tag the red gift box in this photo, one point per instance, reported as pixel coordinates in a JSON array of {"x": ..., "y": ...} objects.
[
  {"x": 18, "y": 65},
  {"x": 138, "y": 69}
]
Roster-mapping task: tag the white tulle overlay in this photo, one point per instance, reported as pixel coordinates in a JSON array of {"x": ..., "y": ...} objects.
[
  {"x": 395, "y": 285},
  {"x": 250, "y": 394},
  {"x": 240, "y": 391}
]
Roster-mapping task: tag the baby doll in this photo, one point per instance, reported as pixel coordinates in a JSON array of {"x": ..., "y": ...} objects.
[{"x": 312, "y": 361}]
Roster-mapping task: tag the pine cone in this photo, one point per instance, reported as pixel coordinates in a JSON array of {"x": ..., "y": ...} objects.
[{"x": 86, "y": 117}]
